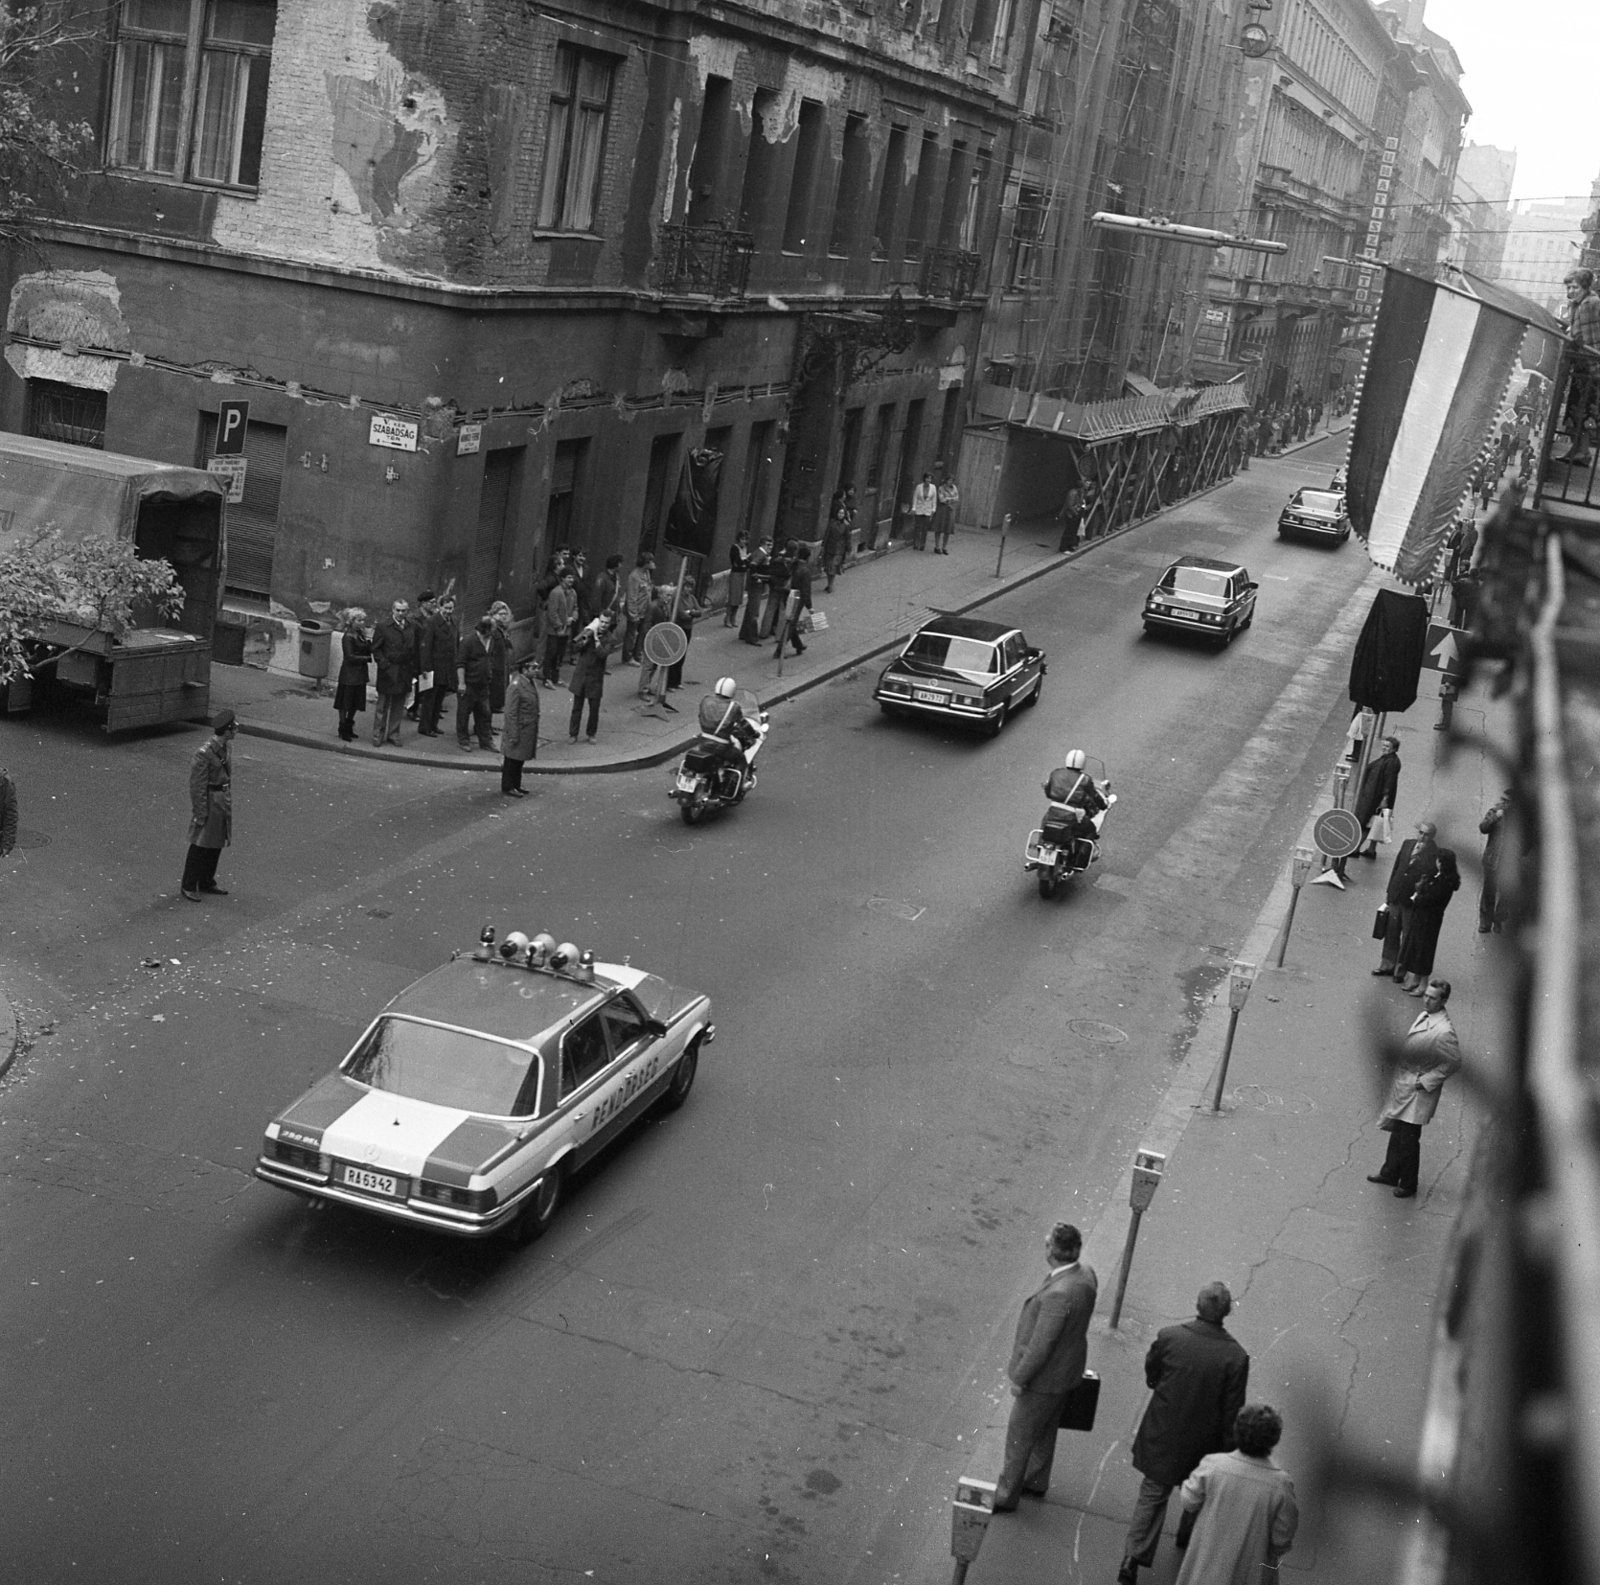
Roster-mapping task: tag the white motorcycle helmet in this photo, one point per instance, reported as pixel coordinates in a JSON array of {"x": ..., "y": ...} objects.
[
  {"x": 1075, "y": 759},
  {"x": 726, "y": 688}
]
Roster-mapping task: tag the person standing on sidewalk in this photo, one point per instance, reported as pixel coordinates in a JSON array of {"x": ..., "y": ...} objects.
[
  {"x": 1379, "y": 787},
  {"x": 211, "y": 808},
  {"x": 1420, "y": 938},
  {"x": 396, "y": 651},
  {"x": 588, "y": 682},
  {"x": 835, "y": 541},
  {"x": 519, "y": 737},
  {"x": 1432, "y": 1053},
  {"x": 800, "y": 584},
  {"x": 1047, "y": 1362},
  {"x": 944, "y": 520},
  {"x": 439, "y": 644},
  {"x": 1412, "y": 864},
  {"x": 476, "y": 664},
  {"x": 1493, "y": 827},
  {"x": 1197, "y": 1375},
  {"x": 636, "y": 604},
  {"x": 8, "y": 812},
  {"x": 560, "y": 615},
  {"x": 924, "y": 503},
  {"x": 355, "y": 652},
  {"x": 755, "y": 571},
  {"x": 1244, "y": 1507},
  {"x": 738, "y": 561},
  {"x": 1071, "y": 515}
]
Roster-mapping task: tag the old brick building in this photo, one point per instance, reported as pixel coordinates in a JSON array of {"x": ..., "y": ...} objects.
[{"x": 485, "y": 271}]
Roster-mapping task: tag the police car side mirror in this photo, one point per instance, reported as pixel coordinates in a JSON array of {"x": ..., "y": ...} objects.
[{"x": 655, "y": 1027}]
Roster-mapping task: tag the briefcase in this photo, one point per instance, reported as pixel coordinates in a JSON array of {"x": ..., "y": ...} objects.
[
  {"x": 1380, "y": 925},
  {"x": 1077, "y": 1412}
]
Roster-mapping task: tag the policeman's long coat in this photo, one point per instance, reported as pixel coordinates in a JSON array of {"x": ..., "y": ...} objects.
[{"x": 211, "y": 796}]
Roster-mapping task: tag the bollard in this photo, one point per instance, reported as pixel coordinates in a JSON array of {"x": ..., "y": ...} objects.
[
  {"x": 1005, "y": 523},
  {"x": 1148, "y": 1165},
  {"x": 1240, "y": 978}
]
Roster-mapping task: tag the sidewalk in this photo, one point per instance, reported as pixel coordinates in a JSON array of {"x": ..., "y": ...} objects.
[
  {"x": 877, "y": 602},
  {"x": 1335, "y": 1283}
]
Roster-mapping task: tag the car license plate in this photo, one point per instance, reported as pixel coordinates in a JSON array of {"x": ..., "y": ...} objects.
[
  {"x": 372, "y": 1182},
  {"x": 1187, "y": 616},
  {"x": 927, "y": 696}
]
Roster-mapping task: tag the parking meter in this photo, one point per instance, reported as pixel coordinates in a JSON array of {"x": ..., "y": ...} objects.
[
  {"x": 1304, "y": 858},
  {"x": 1148, "y": 1165},
  {"x": 1240, "y": 978},
  {"x": 969, "y": 1517}
]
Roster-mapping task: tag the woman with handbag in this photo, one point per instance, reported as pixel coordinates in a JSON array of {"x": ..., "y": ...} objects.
[
  {"x": 1421, "y": 936},
  {"x": 1379, "y": 788}
]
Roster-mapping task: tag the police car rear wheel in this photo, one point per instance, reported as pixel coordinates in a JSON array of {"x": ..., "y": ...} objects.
[{"x": 536, "y": 1216}]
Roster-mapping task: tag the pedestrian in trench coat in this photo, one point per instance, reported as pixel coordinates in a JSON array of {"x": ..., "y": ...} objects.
[
  {"x": 1432, "y": 1053},
  {"x": 1246, "y": 1514},
  {"x": 210, "y": 809},
  {"x": 519, "y": 736}
]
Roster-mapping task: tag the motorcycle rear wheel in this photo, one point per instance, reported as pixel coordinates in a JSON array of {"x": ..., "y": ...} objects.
[
  {"x": 1047, "y": 883},
  {"x": 692, "y": 809}
]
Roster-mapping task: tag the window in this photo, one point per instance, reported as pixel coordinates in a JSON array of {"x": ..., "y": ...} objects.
[
  {"x": 893, "y": 180},
  {"x": 190, "y": 99},
  {"x": 626, "y": 1026},
  {"x": 67, "y": 413},
  {"x": 809, "y": 145},
  {"x": 854, "y": 175},
  {"x": 1027, "y": 234},
  {"x": 922, "y": 195},
  {"x": 575, "y": 140},
  {"x": 583, "y": 1054}
]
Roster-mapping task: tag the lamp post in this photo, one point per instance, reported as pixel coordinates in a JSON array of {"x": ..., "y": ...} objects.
[
  {"x": 1240, "y": 978},
  {"x": 1299, "y": 870}
]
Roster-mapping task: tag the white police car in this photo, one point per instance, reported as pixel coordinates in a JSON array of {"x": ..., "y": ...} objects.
[{"x": 475, "y": 1092}]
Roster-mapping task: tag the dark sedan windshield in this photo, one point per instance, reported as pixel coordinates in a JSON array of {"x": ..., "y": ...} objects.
[
  {"x": 951, "y": 653},
  {"x": 448, "y": 1067}
]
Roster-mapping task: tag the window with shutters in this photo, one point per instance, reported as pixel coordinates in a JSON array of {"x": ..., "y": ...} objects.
[
  {"x": 565, "y": 472},
  {"x": 575, "y": 139},
  {"x": 189, "y": 100}
]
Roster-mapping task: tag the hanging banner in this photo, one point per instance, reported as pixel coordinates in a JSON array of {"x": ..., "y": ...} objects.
[
  {"x": 1436, "y": 372},
  {"x": 692, "y": 519}
]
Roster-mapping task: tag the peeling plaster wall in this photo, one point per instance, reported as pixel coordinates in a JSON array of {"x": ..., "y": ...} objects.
[
  {"x": 358, "y": 150},
  {"x": 83, "y": 307}
]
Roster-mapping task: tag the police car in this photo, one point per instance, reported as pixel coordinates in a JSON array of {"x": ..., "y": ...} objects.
[{"x": 472, "y": 1095}]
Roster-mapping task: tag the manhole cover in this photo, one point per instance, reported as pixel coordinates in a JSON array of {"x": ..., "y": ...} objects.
[
  {"x": 31, "y": 839},
  {"x": 1101, "y": 1034},
  {"x": 378, "y": 913}
]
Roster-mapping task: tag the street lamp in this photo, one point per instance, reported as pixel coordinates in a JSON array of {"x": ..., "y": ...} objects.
[{"x": 1240, "y": 978}]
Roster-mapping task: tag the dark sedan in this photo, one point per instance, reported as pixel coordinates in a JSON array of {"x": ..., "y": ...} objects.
[
  {"x": 959, "y": 668},
  {"x": 1198, "y": 594},
  {"x": 1315, "y": 514}
]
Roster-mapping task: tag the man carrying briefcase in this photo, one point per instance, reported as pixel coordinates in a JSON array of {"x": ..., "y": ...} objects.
[{"x": 1047, "y": 1363}]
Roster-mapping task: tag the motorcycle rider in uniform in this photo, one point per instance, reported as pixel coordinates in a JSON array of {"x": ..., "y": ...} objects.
[
  {"x": 1074, "y": 801},
  {"x": 725, "y": 730}
]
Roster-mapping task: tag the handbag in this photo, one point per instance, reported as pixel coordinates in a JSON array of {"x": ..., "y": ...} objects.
[
  {"x": 1385, "y": 831},
  {"x": 1078, "y": 1407},
  {"x": 1380, "y": 925}
]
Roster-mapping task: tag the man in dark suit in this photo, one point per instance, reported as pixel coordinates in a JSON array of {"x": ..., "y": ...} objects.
[
  {"x": 1412, "y": 864},
  {"x": 1047, "y": 1362},
  {"x": 476, "y": 665},
  {"x": 1197, "y": 1375},
  {"x": 396, "y": 650}
]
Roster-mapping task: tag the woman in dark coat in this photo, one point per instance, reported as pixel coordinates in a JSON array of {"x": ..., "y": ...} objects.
[
  {"x": 350, "y": 695},
  {"x": 1428, "y": 903},
  {"x": 499, "y": 655},
  {"x": 1377, "y": 792},
  {"x": 519, "y": 739}
]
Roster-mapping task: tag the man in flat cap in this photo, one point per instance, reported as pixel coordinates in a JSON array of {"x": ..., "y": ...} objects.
[{"x": 210, "y": 808}]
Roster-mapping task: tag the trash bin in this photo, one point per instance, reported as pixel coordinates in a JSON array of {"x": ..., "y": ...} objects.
[
  {"x": 315, "y": 638},
  {"x": 227, "y": 643}
]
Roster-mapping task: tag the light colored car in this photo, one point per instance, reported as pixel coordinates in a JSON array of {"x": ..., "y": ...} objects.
[
  {"x": 1198, "y": 594},
  {"x": 1315, "y": 514},
  {"x": 961, "y": 668},
  {"x": 472, "y": 1095}
]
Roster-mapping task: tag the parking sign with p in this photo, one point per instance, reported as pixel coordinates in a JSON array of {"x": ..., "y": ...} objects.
[{"x": 233, "y": 419}]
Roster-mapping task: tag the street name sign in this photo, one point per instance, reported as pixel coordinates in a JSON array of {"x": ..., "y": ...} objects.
[{"x": 398, "y": 434}]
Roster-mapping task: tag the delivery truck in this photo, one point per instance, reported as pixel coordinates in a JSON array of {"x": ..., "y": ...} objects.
[{"x": 152, "y": 671}]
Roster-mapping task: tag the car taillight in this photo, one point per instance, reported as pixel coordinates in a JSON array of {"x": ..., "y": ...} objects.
[
  {"x": 458, "y": 1199},
  {"x": 891, "y": 685}
]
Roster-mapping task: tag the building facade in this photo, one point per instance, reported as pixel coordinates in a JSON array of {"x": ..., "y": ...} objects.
[
  {"x": 487, "y": 275},
  {"x": 1482, "y": 208}
]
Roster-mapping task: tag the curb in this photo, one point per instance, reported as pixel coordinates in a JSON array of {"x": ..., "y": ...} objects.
[
  {"x": 658, "y": 756},
  {"x": 10, "y": 1034}
]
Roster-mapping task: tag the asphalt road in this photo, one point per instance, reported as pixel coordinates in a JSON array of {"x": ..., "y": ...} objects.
[{"x": 751, "y": 1345}]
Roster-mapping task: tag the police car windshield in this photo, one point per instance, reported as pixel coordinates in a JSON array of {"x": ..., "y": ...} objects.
[
  {"x": 447, "y": 1067},
  {"x": 953, "y": 654}
]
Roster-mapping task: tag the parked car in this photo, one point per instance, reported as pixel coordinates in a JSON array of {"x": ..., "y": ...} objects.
[
  {"x": 472, "y": 1095},
  {"x": 1198, "y": 594},
  {"x": 959, "y": 668},
  {"x": 1315, "y": 514}
]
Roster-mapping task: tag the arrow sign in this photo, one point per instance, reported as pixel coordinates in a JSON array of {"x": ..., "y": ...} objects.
[{"x": 1444, "y": 648}]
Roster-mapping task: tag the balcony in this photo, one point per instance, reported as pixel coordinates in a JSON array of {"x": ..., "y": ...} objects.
[
  {"x": 949, "y": 274},
  {"x": 704, "y": 261}
]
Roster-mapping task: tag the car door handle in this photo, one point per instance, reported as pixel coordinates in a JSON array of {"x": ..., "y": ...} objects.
[{"x": 578, "y": 1117}]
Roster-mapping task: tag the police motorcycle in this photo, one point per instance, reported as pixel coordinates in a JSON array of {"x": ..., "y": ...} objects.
[
  {"x": 719, "y": 769},
  {"x": 1067, "y": 842}
]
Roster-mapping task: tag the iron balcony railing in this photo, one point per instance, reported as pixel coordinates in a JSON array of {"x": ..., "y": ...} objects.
[
  {"x": 705, "y": 261},
  {"x": 950, "y": 274}
]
